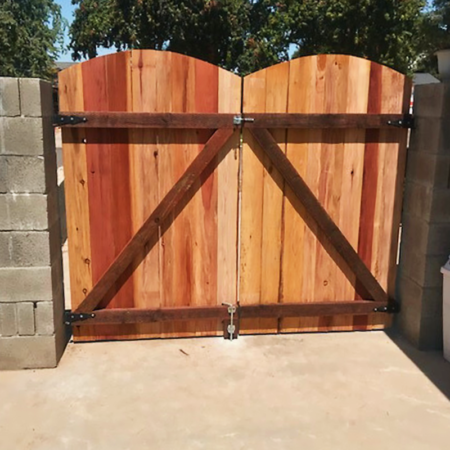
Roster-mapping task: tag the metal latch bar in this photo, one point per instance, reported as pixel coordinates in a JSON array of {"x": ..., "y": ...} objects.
[{"x": 240, "y": 120}]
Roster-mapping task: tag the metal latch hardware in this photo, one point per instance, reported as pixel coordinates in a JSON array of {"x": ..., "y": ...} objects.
[
  {"x": 70, "y": 317},
  {"x": 240, "y": 120},
  {"x": 231, "y": 328},
  {"x": 406, "y": 122},
  {"x": 60, "y": 119}
]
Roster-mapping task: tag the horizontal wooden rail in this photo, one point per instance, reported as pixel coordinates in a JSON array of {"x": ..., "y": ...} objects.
[
  {"x": 276, "y": 310},
  {"x": 217, "y": 120}
]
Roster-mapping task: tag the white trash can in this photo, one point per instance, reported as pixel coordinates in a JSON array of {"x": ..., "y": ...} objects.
[{"x": 446, "y": 309}]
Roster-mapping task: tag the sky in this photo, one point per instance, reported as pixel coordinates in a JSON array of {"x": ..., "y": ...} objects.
[{"x": 67, "y": 12}]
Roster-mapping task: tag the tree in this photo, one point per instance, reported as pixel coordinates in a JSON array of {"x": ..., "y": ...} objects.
[
  {"x": 31, "y": 34},
  {"x": 235, "y": 34},
  {"x": 385, "y": 31},
  {"x": 435, "y": 34},
  {"x": 247, "y": 35}
]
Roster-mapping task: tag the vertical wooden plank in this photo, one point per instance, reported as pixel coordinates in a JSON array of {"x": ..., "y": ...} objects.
[
  {"x": 306, "y": 95},
  {"x": 144, "y": 181},
  {"x": 252, "y": 191},
  {"x": 71, "y": 98},
  {"x": 277, "y": 84},
  {"x": 229, "y": 101}
]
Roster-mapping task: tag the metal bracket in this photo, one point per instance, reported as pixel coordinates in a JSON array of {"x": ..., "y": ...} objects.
[
  {"x": 231, "y": 328},
  {"x": 391, "y": 308},
  {"x": 60, "y": 120},
  {"x": 240, "y": 120},
  {"x": 70, "y": 317},
  {"x": 406, "y": 122}
]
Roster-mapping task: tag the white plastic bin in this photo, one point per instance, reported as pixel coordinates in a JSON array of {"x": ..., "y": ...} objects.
[{"x": 446, "y": 309}]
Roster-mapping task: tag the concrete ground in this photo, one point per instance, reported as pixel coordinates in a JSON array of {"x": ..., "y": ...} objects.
[{"x": 318, "y": 391}]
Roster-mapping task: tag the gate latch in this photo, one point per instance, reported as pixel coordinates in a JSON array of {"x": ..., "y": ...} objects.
[
  {"x": 231, "y": 328},
  {"x": 70, "y": 317},
  {"x": 240, "y": 120}
]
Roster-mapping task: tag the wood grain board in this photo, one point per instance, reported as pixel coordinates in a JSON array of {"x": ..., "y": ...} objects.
[
  {"x": 213, "y": 249},
  {"x": 356, "y": 175}
]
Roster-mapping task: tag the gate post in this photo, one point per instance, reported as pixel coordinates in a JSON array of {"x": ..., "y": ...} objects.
[
  {"x": 426, "y": 218},
  {"x": 32, "y": 333}
]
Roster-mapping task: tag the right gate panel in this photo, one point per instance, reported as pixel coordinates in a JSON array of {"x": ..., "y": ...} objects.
[{"x": 356, "y": 174}]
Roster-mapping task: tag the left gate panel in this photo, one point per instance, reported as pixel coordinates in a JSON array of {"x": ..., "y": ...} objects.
[{"x": 126, "y": 173}]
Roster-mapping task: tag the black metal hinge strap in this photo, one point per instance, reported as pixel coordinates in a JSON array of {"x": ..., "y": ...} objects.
[
  {"x": 406, "y": 122},
  {"x": 60, "y": 119},
  {"x": 71, "y": 317}
]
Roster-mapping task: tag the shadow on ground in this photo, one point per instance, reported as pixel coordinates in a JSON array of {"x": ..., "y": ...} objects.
[{"x": 431, "y": 363}]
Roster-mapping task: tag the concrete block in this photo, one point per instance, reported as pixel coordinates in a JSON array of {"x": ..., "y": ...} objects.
[
  {"x": 428, "y": 168},
  {"x": 25, "y": 319},
  {"x": 5, "y": 250},
  {"x": 8, "y": 319},
  {"x": 25, "y": 249},
  {"x": 21, "y": 136},
  {"x": 429, "y": 100},
  {"x": 418, "y": 200},
  {"x": 26, "y": 211},
  {"x": 44, "y": 318},
  {"x": 431, "y": 135},
  {"x": 431, "y": 334},
  {"x": 440, "y": 209},
  {"x": 423, "y": 269},
  {"x": 36, "y": 97},
  {"x": 30, "y": 248},
  {"x": 409, "y": 318},
  {"x": 439, "y": 239},
  {"x": 9, "y": 97},
  {"x": 28, "y": 352},
  {"x": 25, "y": 284},
  {"x": 23, "y": 174},
  {"x": 415, "y": 233},
  {"x": 3, "y": 175}
]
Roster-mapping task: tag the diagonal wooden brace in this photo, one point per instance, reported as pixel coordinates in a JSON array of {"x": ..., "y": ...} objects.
[
  {"x": 319, "y": 214},
  {"x": 151, "y": 225}
]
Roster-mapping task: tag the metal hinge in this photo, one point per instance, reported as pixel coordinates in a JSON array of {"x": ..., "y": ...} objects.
[
  {"x": 70, "y": 317},
  {"x": 240, "y": 120},
  {"x": 60, "y": 119},
  {"x": 406, "y": 122},
  {"x": 391, "y": 308}
]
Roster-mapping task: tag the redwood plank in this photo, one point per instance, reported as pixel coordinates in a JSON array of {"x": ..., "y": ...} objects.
[
  {"x": 319, "y": 215},
  {"x": 163, "y": 210}
]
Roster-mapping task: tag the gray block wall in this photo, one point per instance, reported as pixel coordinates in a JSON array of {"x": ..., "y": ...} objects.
[
  {"x": 32, "y": 333},
  {"x": 425, "y": 244}
]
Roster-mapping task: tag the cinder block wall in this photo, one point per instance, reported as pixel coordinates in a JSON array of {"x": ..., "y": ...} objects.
[
  {"x": 32, "y": 333},
  {"x": 426, "y": 218}
]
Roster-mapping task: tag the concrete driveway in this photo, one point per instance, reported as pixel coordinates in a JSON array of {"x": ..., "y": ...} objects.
[{"x": 318, "y": 391}]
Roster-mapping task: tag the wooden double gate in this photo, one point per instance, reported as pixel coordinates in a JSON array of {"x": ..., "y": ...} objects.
[{"x": 188, "y": 187}]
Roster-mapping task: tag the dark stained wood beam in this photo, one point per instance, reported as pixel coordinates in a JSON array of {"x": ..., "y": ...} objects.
[
  {"x": 317, "y": 212},
  {"x": 217, "y": 120},
  {"x": 276, "y": 310},
  {"x": 156, "y": 218}
]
